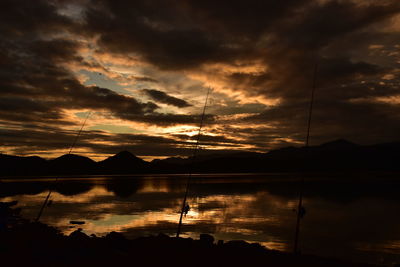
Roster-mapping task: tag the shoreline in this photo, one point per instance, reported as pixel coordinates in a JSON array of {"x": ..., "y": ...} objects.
[
  {"x": 37, "y": 244},
  {"x": 334, "y": 175}
]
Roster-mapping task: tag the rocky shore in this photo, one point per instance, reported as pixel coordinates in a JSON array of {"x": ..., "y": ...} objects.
[{"x": 36, "y": 244}]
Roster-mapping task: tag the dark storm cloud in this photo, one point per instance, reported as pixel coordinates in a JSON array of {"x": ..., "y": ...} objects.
[
  {"x": 34, "y": 83},
  {"x": 292, "y": 57},
  {"x": 145, "y": 79},
  {"x": 140, "y": 27},
  {"x": 37, "y": 87},
  {"x": 21, "y": 17},
  {"x": 20, "y": 109},
  {"x": 286, "y": 35},
  {"x": 360, "y": 122},
  {"x": 186, "y": 34},
  {"x": 168, "y": 119},
  {"x": 320, "y": 24},
  {"x": 262, "y": 138},
  {"x": 166, "y": 99},
  {"x": 38, "y": 45}
]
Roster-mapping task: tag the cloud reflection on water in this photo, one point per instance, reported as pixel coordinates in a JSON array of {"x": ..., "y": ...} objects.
[{"x": 361, "y": 226}]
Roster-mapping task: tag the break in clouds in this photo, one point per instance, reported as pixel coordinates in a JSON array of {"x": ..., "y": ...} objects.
[{"x": 142, "y": 69}]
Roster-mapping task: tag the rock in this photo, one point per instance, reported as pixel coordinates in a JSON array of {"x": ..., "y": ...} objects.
[
  {"x": 237, "y": 244},
  {"x": 115, "y": 236},
  {"x": 79, "y": 235},
  {"x": 206, "y": 239},
  {"x": 163, "y": 236}
]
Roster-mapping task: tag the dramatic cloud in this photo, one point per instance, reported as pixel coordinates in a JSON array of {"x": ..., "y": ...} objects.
[
  {"x": 62, "y": 59},
  {"x": 166, "y": 99}
]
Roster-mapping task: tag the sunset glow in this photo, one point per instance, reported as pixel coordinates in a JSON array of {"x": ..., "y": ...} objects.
[{"x": 144, "y": 75}]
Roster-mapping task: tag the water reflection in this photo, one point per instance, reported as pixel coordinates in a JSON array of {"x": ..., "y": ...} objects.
[
  {"x": 344, "y": 219},
  {"x": 123, "y": 187}
]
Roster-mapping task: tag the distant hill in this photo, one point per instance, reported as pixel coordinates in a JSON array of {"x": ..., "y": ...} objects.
[
  {"x": 123, "y": 162},
  {"x": 339, "y": 144},
  {"x": 71, "y": 164},
  {"x": 336, "y": 156},
  {"x": 14, "y": 165}
]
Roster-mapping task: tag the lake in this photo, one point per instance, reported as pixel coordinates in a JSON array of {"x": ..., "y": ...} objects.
[{"x": 355, "y": 217}]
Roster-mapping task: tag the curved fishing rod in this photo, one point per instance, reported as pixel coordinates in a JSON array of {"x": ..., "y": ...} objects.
[
  {"x": 300, "y": 208},
  {"x": 55, "y": 182},
  {"x": 195, "y": 150}
]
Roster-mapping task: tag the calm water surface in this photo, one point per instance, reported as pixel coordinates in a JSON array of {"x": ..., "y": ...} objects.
[{"x": 355, "y": 218}]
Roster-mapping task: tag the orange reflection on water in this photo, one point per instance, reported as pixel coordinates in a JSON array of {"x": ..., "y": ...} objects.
[
  {"x": 235, "y": 207},
  {"x": 227, "y": 213},
  {"x": 392, "y": 247},
  {"x": 154, "y": 186},
  {"x": 152, "y": 204},
  {"x": 86, "y": 197}
]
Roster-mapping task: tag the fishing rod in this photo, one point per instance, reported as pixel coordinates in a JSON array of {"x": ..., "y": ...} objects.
[
  {"x": 46, "y": 201},
  {"x": 300, "y": 208},
  {"x": 195, "y": 150}
]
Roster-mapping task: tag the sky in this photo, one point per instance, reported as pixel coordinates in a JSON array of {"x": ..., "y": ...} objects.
[{"x": 139, "y": 71}]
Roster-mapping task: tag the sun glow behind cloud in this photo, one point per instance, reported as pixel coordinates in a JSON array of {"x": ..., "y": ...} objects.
[{"x": 144, "y": 75}]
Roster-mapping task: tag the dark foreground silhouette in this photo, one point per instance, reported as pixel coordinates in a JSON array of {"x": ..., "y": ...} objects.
[
  {"x": 25, "y": 243},
  {"x": 36, "y": 244}
]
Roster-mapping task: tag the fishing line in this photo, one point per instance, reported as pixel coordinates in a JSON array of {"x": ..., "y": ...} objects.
[
  {"x": 195, "y": 150},
  {"x": 300, "y": 208},
  {"x": 46, "y": 201}
]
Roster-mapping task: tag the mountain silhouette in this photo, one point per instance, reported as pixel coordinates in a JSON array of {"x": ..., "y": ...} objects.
[
  {"x": 339, "y": 144},
  {"x": 336, "y": 156},
  {"x": 123, "y": 162},
  {"x": 15, "y": 165},
  {"x": 71, "y": 164}
]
